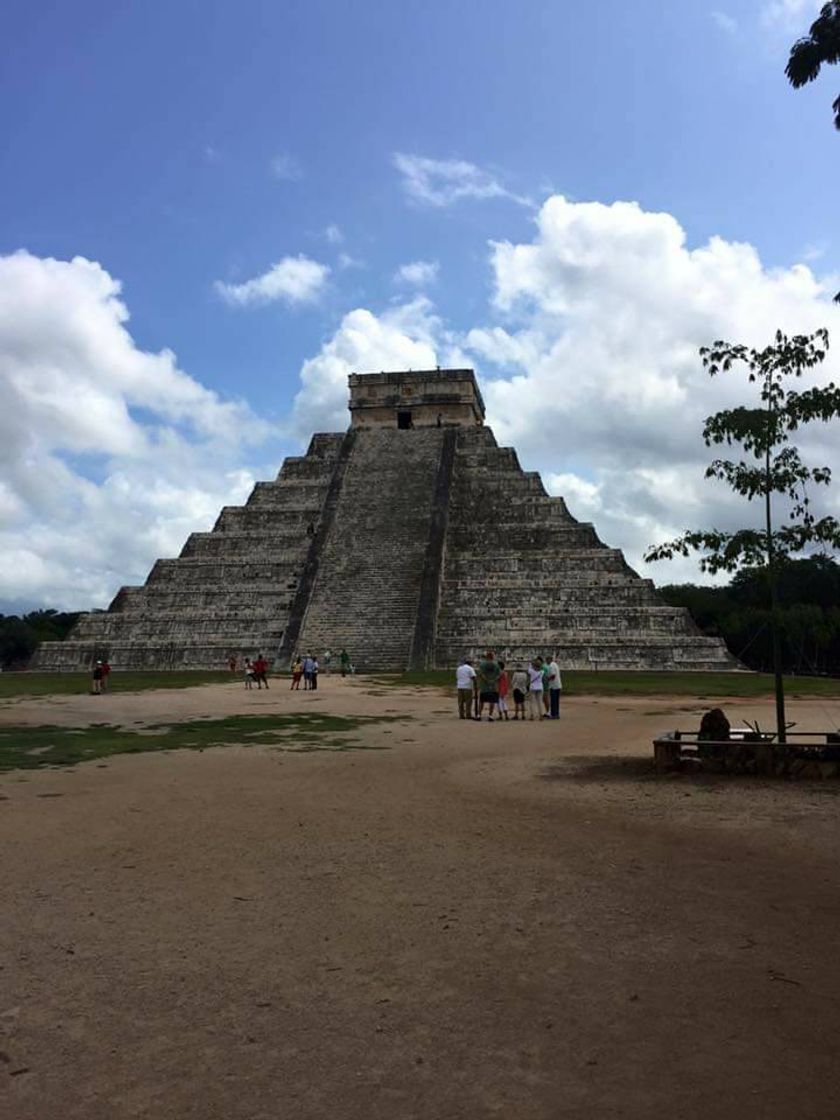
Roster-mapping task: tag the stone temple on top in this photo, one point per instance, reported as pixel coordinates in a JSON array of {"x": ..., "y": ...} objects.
[{"x": 412, "y": 539}]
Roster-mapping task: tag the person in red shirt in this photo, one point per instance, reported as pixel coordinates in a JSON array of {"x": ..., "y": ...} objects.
[
  {"x": 504, "y": 685},
  {"x": 260, "y": 667},
  {"x": 106, "y": 672}
]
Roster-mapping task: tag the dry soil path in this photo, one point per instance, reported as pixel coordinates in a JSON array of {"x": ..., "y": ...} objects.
[{"x": 482, "y": 921}]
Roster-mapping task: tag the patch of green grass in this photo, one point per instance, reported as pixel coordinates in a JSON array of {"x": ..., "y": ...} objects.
[
  {"x": 65, "y": 684},
  {"x": 585, "y": 682},
  {"x": 30, "y": 748}
]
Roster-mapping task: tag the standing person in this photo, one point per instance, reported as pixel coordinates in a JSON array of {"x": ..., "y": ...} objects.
[
  {"x": 249, "y": 673},
  {"x": 535, "y": 688},
  {"x": 327, "y": 660},
  {"x": 232, "y": 663},
  {"x": 260, "y": 669},
  {"x": 520, "y": 685},
  {"x": 488, "y": 684},
  {"x": 307, "y": 672},
  {"x": 106, "y": 673},
  {"x": 544, "y": 670},
  {"x": 96, "y": 688},
  {"x": 313, "y": 674},
  {"x": 344, "y": 658},
  {"x": 465, "y": 683},
  {"x": 555, "y": 685},
  {"x": 297, "y": 673},
  {"x": 504, "y": 685}
]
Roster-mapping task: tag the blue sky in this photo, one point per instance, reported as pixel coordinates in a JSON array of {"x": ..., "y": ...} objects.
[{"x": 185, "y": 146}]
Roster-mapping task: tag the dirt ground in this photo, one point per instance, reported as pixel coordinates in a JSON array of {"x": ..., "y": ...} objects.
[{"x": 515, "y": 921}]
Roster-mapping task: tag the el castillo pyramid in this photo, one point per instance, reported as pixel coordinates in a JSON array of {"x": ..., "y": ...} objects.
[{"x": 411, "y": 540}]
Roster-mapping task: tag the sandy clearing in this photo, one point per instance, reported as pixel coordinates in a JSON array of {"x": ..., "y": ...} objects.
[{"x": 481, "y": 921}]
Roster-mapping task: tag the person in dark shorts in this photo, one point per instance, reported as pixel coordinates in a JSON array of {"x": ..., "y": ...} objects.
[
  {"x": 488, "y": 684},
  {"x": 97, "y": 679},
  {"x": 519, "y": 684}
]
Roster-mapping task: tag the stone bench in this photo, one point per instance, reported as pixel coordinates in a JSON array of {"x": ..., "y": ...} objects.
[{"x": 816, "y": 752}]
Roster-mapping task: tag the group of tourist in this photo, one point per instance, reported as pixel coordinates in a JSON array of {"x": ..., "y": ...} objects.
[
  {"x": 534, "y": 687},
  {"x": 256, "y": 672},
  {"x": 307, "y": 667}
]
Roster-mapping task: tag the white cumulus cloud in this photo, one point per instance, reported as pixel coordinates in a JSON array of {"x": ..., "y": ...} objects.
[
  {"x": 292, "y": 280},
  {"x": 404, "y": 337},
  {"x": 418, "y": 273},
  {"x": 109, "y": 454},
  {"x": 597, "y": 373},
  {"x": 588, "y": 358}
]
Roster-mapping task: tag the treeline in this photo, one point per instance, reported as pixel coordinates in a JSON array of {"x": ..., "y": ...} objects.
[
  {"x": 21, "y": 634},
  {"x": 809, "y": 614}
]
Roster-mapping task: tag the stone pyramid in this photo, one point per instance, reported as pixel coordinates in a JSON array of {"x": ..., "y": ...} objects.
[{"x": 410, "y": 540}]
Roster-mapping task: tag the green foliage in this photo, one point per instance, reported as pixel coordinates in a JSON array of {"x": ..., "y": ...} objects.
[
  {"x": 773, "y": 465},
  {"x": 66, "y": 684},
  {"x": 820, "y": 45},
  {"x": 19, "y": 637},
  {"x": 808, "y": 614}
]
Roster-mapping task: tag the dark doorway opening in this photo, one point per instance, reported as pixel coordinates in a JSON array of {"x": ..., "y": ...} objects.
[{"x": 404, "y": 420}]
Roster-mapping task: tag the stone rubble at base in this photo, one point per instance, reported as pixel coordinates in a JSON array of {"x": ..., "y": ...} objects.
[{"x": 411, "y": 540}]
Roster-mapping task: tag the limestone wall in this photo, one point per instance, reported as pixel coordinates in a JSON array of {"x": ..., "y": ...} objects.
[
  {"x": 367, "y": 594},
  {"x": 522, "y": 575},
  {"x": 230, "y": 590}
]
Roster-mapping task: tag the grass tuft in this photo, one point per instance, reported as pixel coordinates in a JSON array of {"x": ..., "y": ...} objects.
[{"x": 32, "y": 748}]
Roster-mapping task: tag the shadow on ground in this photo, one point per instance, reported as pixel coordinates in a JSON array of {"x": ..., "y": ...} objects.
[{"x": 617, "y": 769}]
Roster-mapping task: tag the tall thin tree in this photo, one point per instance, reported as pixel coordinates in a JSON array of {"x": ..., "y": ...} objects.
[{"x": 773, "y": 467}]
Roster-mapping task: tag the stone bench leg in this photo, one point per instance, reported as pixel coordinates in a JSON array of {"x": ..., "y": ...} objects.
[{"x": 666, "y": 756}]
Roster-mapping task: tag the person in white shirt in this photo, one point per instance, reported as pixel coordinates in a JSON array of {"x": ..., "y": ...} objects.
[
  {"x": 535, "y": 690},
  {"x": 465, "y": 680},
  {"x": 554, "y": 687}
]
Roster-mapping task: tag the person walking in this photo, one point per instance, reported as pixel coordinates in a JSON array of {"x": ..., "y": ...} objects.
[
  {"x": 535, "y": 689},
  {"x": 327, "y": 660},
  {"x": 555, "y": 686},
  {"x": 520, "y": 685},
  {"x": 344, "y": 658},
  {"x": 313, "y": 674},
  {"x": 465, "y": 683}
]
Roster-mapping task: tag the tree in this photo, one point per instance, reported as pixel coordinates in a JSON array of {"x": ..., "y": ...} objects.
[
  {"x": 775, "y": 467},
  {"x": 820, "y": 45}
]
